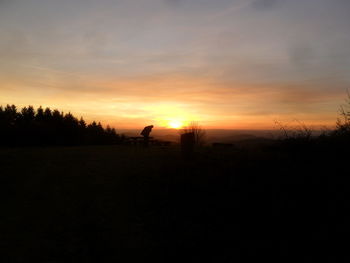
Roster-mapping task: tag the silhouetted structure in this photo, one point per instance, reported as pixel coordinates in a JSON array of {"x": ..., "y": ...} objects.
[
  {"x": 30, "y": 127},
  {"x": 145, "y": 133},
  {"x": 197, "y": 130},
  {"x": 187, "y": 144}
]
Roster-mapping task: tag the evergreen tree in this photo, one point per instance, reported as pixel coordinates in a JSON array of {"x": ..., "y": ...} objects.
[{"x": 46, "y": 127}]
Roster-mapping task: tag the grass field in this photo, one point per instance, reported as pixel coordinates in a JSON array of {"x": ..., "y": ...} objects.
[{"x": 129, "y": 204}]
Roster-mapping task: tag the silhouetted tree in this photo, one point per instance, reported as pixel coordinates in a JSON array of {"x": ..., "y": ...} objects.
[
  {"x": 39, "y": 114},
  {"x": 46, "y": 127},
  {"x": 47, "y": 115},
  {"x": 8, "y": 125},
  {"x": 343, "y": 123}
]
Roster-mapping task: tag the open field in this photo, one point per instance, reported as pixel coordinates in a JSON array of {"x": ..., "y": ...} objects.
[{"x": 109, "y": 203}]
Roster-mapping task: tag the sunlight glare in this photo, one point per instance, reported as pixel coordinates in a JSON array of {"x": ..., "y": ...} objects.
[{"x": 175, "y": 124}]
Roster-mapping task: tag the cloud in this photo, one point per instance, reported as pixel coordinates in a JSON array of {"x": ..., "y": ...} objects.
[
  {"x": 174, "y": 2},
  {"x": 215, "y": 58},
  {"x": 265, "y": 4},
  {"x": 302, "y": 55},
  {"x": 5, "y": 3}
]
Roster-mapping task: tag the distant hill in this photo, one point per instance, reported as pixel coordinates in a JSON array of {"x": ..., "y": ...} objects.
[{"x": 212, "y": 135}]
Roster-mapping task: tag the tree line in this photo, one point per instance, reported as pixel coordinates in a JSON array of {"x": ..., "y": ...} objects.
[{"x": 40, "y": 127}]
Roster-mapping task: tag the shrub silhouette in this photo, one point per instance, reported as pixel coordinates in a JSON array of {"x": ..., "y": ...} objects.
[
  {"x": 30, "y": 127},
  {"x": 297, "y": 132},
  {"x": 301, "y": 139},
  {"x": 343, "y": 123},
  {"x": 199, "y": 132}
]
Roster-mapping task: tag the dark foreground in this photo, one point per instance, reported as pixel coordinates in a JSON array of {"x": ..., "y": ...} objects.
[{"x": 118, "y": 203}]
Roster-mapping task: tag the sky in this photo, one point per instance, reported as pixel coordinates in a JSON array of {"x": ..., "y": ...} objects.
[{"x": 228, "y": 64}]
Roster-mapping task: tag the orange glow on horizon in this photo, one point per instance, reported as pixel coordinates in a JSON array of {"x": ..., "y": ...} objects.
[
  {"x": 175, "y": 124},
  {"x": 185, "y": 100}
]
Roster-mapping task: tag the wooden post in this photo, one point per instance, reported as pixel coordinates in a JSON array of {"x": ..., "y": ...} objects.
[{"x": 187, "y": 145}]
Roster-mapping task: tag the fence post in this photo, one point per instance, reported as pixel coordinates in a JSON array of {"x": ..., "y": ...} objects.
[{"x": 187, "y": 145}]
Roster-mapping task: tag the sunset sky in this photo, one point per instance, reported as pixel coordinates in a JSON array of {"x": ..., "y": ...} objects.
[{"x": 226, "y": 63}]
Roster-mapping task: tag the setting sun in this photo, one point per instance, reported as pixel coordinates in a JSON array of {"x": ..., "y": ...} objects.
[{"x": 175, "y": 124}]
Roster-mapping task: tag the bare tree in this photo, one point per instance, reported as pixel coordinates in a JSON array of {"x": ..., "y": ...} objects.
[
  {"x": 199, "y": 132},
  {"x": 299, "y": 131},
  {"x": 343, "y": 123}
]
